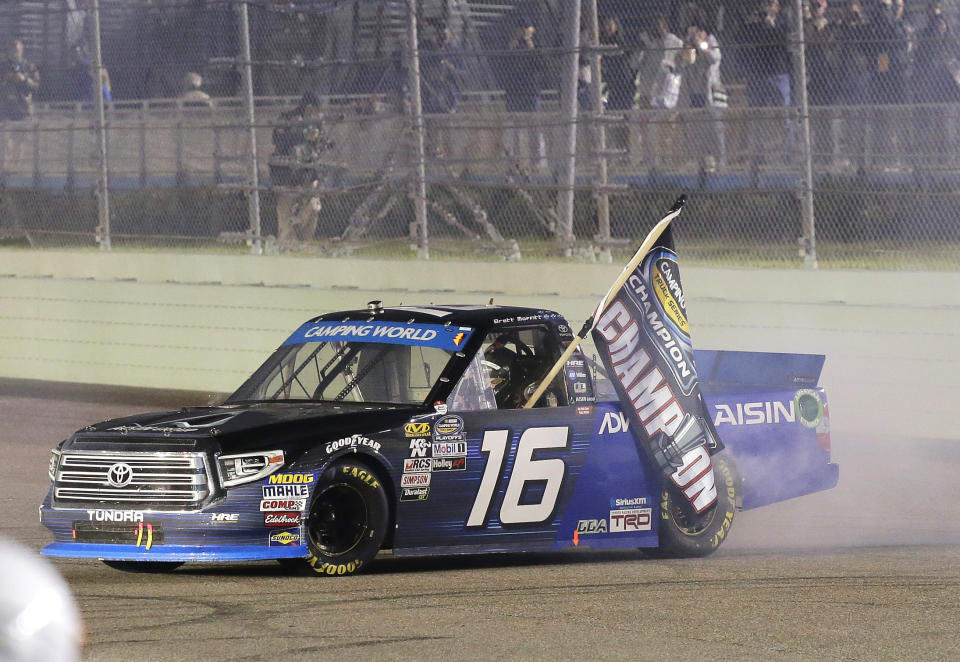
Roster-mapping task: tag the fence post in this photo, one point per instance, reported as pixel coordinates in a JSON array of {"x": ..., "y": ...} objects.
[
  {"x": 568, "y": 111},
  {"x": 416, "y": 109},
  {"x": 103, "y": 189},
  {"x": 254, "y": 197},
  {"x": 808, "y": 246},
  {"x": 596, "y": 94}
]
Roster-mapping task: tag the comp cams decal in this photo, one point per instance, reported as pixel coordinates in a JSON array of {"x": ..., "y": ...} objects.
[{"x": 282, "y": 505}]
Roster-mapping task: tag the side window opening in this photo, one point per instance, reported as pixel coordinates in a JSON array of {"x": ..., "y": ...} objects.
[{"x": 516, "y": 360}]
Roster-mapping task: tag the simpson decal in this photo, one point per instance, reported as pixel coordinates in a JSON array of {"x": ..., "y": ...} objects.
[{"x": 415, "y": 480}]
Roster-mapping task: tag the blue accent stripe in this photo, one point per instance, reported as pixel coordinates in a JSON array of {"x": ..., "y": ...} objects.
[
  {"x": 212, "y": 553},
  {"x": 450, "y": 338}
]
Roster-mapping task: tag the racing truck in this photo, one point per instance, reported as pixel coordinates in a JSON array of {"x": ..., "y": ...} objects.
[{"x": 404, "y": 429}]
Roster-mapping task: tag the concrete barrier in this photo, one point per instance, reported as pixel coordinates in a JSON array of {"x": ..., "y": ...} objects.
[{"x": 204, "y": 322}]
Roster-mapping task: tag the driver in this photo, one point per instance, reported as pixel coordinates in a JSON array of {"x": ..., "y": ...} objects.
[{"x": 504, "y": 374}]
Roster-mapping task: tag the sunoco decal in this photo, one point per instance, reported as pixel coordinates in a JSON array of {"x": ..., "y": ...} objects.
[
  {"x": 450, "y": 338},
  {"x": 288, "y": 538}
]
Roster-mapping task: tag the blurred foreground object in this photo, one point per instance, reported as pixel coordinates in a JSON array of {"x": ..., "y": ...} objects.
[{"x": 39, "y": 620}]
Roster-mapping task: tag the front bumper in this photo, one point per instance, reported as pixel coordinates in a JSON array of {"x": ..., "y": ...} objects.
[
  {"x": 193, "y": 553},
  {"x": 231, "y": 530}
]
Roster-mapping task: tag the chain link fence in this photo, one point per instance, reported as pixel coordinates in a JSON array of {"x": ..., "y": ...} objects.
[{"x": 523, "y": 129}]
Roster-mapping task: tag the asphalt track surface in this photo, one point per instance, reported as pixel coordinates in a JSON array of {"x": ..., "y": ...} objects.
[{"x": 868, "y": 571}]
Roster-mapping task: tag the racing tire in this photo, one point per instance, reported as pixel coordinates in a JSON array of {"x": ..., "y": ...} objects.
[
  {"x": 684, "y": 533},
  {"x": 348, "y": 519},
  {"x": 143, "y": 566}
]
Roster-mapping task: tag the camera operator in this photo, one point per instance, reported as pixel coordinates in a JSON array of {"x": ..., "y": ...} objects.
[
  {"x": 700, "y": 61},
  {"x": 298, "y": 140},
  {"x": 20, "y": 80}
]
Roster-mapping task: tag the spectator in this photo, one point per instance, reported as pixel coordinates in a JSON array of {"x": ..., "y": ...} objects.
[
  {"x": 765, "y": 62},
  {"x": 522, "y": 83},
  {"x": 657, "y": 85},
  {"x": 192, "y": 95},
  {"x": 938, "y": 82},
  {"x": 617, "y": 73},
  {"x": 658, "y": 82},
  {"x": 887, "y": 52},
  {"x": 81, "y": 79},
  {"x": 822, "y": 58},
  {"x": 20, "y": 80},
  {"x": 299, "y": 139},
  {"x": 701, "y": 77},
  {"x": 765, "y": 59},
  {"x": 938, "y": 74},
  {"x": 823, "y": 69},
  {"x": 106, "y": 89},
  {"x": 441, "y": 73}
]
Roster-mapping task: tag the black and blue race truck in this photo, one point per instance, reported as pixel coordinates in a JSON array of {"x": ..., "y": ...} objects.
[{"x": 403, "y": 428}]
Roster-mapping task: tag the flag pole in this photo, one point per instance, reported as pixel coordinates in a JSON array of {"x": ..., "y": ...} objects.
[{"x": 648, "y": 243}]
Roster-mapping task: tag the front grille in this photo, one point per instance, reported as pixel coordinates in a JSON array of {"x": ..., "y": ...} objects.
[{"x": 140, "y": 480}]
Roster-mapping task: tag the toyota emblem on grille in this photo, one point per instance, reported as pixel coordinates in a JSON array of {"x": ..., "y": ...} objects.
[{"x": 120, "y": 474}]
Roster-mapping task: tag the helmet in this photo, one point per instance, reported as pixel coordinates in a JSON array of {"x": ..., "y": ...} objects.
[
  {"x": 499, "y": 362},
  {"x": 38, "y": 616}
]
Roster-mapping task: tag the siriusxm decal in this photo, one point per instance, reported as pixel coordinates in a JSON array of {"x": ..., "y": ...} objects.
[{"x": 451, "y": 338}]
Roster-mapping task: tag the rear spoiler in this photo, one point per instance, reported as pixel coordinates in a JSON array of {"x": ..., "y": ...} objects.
[{"x": 721, "y": 370}]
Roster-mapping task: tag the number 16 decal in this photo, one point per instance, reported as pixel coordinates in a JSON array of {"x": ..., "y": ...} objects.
[{"x": 526, "y": 469}]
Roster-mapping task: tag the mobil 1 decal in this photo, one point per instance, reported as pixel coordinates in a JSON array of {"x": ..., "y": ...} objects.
[{"x": 643, "y": 338}]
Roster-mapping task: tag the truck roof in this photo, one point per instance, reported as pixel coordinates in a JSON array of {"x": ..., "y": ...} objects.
[{"x": 463, "y": 315}]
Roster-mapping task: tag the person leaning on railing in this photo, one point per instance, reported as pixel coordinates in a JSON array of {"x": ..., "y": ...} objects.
[
  {"x": 20, "y": 79},
  {"x": 295, "y": 171}
]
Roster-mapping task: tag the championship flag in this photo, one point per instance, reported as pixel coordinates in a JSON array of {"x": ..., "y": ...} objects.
[{"x": 641, "y": 332}]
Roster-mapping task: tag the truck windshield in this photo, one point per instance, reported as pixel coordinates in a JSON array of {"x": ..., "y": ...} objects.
[{"x": 335, "y": 362}]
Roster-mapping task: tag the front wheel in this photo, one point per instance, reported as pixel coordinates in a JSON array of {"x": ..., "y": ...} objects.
[
  {"x": 683, "y": 532},
  {"x": 348, "y": 519}
]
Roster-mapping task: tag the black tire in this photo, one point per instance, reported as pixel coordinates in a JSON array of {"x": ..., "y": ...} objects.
[
  {"x": 144, "y": 566},
  {"x": 348, "y": 519},
  {"x": 683, "y": 532}
]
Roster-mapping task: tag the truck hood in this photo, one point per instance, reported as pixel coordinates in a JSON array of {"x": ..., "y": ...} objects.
[{"x": 237, "y": 428}]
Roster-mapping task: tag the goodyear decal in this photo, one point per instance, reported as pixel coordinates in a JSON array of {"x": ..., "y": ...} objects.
[{"x": 450, "y": 338}]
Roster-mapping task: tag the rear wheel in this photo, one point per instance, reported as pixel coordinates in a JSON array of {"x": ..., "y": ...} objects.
[
  {"x": 348, "y": 519},
  {"x": 684, "y": 532},
  {"x": 144, "y": 566}
]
